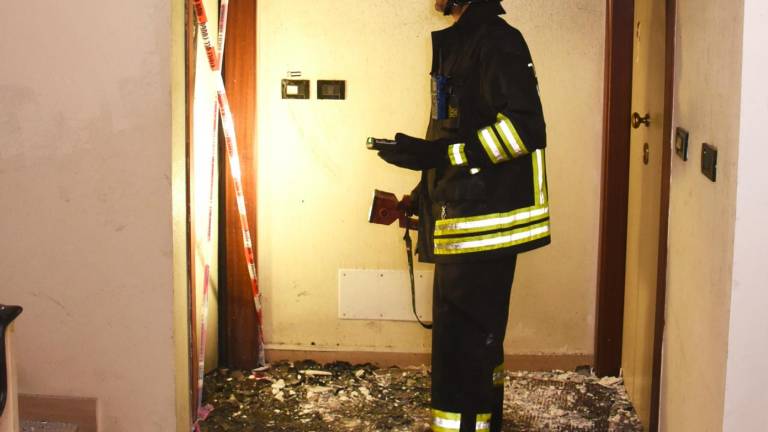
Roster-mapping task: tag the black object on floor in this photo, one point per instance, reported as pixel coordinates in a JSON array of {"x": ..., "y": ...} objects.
[{"x": 7, "y": 315}]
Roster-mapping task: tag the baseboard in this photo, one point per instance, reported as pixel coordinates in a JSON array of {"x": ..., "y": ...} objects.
[
  {"x": 547, "y": 362},
  {"x": 515, "y": 362},
  {"x": 79, "y": 411}
]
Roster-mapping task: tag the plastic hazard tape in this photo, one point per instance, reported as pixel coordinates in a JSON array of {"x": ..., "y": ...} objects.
[
  {"x": 202, "y": 21},
  {"x": 203, "y": 412},
  {"x": 228, "y": 127},
  {"x": 208, "y": 245}
]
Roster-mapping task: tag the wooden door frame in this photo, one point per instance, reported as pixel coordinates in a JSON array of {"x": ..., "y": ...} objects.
[
  {"x": 666, "y": 174},
  {"x": 615, "y": 186},
  {"x": 239, "y": 77},
  {"x": 190, "y": 72},
  {"x": 615, "y": 194},
  {"x": 238, "y": 328}
]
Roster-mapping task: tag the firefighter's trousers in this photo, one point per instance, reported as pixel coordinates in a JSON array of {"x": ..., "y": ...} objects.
[{"x": 470, "y": 312}]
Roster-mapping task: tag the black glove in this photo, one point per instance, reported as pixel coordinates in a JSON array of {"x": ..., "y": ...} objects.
[{"x": 416, "y": 154}]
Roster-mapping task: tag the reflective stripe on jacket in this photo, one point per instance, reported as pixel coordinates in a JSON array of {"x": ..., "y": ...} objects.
[{"x": 490, "y": 197}]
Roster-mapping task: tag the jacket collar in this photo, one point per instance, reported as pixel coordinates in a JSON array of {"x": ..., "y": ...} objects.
[{"x": 475, "y": 16}]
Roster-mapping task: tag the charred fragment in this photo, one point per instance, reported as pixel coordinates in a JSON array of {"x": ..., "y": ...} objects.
[{"x": 307, "y": 396}]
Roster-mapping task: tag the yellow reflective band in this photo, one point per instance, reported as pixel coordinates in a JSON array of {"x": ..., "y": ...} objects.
[
  {"x": 483, "y": 423},
  {"x": 491, "y": 145},
  {"x": 543, "y": 177},
  {"x": 445, "y": 421},
  {"x": 494, "y": 221},
  {"x": 457, "y": 155},
  {"x": 509, "y": 135},
  {"x": 539, "y": 173},
  {"x": 488, "y": 242},
  {"x": 498, "y": 375}
]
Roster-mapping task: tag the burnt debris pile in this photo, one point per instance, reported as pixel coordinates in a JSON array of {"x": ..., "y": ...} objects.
[{"x": 309, "y": 397}]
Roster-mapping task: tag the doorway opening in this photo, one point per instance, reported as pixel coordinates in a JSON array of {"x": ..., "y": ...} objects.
[
  {"x": 237, "y": 331},
  {"x": 639, "y": 77}
]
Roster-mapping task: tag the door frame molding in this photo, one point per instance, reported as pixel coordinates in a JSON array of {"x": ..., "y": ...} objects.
[
  {"x": 190, "y": 72},
  {"x": 666, "y": 174},
  {"x": 615, "y": 190},
  {"x": 611, "y": 263}
]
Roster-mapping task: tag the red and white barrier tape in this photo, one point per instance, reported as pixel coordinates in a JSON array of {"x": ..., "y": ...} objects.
[
  {"x": 201, "y": 412},
  {"x": 202, "y": 22},
  {"x": 222, "y": 105},
  {"x": 228, "y": 127},
  {"x": 222, "y": 38}
]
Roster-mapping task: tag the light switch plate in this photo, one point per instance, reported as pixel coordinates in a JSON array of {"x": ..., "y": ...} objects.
[
  {"x": 331, "y": 89},
  {"x": 295, "y": 89},
  {"x": 681, "y": 143},
  {"x": 709, "y": 161}
]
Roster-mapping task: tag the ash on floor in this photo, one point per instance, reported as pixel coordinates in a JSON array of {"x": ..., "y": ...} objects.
[
  {"x": 44, "y": 426},
  {"x": 308, "y": 397}
]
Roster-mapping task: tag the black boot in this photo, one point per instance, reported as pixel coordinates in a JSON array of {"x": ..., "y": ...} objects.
[{"x": 7, "y": 315}]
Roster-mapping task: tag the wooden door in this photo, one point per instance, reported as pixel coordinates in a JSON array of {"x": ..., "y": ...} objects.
[{"x": 644, "y": 202}]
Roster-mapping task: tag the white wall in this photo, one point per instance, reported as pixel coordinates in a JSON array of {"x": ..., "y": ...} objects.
[
  {"x": 745, "y": 396},
  {"x": 316, "y": 178},
  {"x": 85, "y": 189},
  {"x": 702, "y": 215}
]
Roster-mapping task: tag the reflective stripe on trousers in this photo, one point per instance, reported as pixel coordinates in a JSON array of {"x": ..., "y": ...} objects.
[{"x": 443, "y": 421}]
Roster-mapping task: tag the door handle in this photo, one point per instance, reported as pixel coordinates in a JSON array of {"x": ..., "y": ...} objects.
[{"x": 637, "y": 121}]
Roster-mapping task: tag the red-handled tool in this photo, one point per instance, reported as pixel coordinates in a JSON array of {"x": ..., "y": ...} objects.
[{"x": 386, "y": 209}]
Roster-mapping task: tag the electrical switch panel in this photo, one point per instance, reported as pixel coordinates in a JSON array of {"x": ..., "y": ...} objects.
[
  {"x": 295, "y": 89},
  {"x": 681, "y": 143},
  {"x": 709, "y": 161},
  {"x": 331, "y": 89}
]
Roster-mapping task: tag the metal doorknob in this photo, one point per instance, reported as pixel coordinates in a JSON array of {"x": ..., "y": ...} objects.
[{"x": 637, "y": 121}]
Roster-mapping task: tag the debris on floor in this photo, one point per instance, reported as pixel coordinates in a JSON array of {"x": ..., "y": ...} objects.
[
  {"x": 43, "y": 426},
  {"x": 567, "y": 402},
  {"x": 309, "y": 397}
]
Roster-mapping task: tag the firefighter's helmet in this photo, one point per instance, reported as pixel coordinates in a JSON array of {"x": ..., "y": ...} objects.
[{"x": 451, "y": 4}]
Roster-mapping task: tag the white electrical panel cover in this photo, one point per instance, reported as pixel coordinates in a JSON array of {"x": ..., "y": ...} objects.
[{"x": 384, "y": 295}]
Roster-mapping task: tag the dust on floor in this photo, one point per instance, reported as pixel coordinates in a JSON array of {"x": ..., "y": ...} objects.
[
  {"x": 309, "y": 397},
  {"x": 44, "y": 426}
]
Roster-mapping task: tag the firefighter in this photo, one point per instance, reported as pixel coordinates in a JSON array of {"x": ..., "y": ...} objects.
[{"x": 482, "y": 200}]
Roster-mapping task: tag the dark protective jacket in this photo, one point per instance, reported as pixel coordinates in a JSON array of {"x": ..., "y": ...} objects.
[{"x": 490, "y": 196}]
